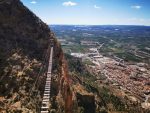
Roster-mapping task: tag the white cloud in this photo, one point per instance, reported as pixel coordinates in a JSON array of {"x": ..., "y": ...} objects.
[
  {"x": 33, "y": 2},
  {"x": 97, "y": 7},
  {"x": 69, "y": 3},
  {"x": 136, "y": 7}
]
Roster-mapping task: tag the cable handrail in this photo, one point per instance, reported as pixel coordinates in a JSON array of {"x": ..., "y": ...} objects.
[{"x": 46, "y": 96}]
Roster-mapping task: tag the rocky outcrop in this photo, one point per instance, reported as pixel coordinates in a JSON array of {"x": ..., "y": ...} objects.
[{"x": 24, "y": 51}]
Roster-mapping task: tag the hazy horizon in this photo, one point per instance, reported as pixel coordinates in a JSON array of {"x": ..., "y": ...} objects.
[{"x": 98, "y": 25}]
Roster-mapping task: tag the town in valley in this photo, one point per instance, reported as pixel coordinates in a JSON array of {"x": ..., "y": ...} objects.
[{"x": 115, "y": 55}]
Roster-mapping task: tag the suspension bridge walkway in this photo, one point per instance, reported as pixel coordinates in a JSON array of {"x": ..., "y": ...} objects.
[{"x": 47, "y": 90}]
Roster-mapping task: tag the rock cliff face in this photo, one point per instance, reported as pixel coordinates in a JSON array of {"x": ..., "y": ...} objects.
[{"x": 24, "y": 51}]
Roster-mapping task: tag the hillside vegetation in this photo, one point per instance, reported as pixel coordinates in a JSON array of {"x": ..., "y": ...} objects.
[{"x": 24, "y": 52}]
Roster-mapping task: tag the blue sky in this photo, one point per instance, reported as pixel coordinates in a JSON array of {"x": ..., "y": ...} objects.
[{"x": 91, "y": 12}]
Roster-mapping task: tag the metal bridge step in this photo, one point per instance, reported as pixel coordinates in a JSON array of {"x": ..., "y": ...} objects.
[
  {"x": 47, "y": 85},
  {"x": 46, "y": 94},
  {"x": 48, "y": 82},
  {"x": 45, "y": 97},
  {"x": 47, "y": 91},
  {"x": 44, "y": 111},
  {"x": 47, "y": 88},
  {"x": 45, "y": 100},
  {"x": 48, "y": 79},
  {"x": 46, "y": 107}
]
